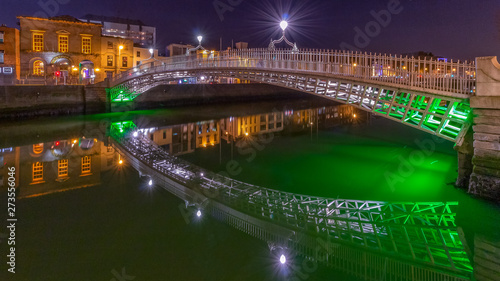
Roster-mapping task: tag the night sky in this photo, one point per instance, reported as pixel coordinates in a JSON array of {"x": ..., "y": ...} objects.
[{"x": 458, "y": 29}]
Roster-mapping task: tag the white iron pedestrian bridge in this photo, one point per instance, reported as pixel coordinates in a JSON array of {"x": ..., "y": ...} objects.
[
  {"x": 373, "y": 240},
  {"x": 428, "y": 94}
]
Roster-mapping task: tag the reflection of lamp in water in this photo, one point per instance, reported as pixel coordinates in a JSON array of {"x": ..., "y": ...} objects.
[{"x": 282, "y": 259}]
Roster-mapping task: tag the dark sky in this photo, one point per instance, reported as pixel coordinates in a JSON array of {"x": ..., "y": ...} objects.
[{"x": 462, "y": 29}]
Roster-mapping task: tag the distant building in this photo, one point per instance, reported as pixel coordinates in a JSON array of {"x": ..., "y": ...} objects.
[
  {"x": 10, "y": 60},
  {"x": 241, "y": 45},
  {"x": 135, "y": 30},
  {"x": 60, "y": 49},
  {"x": 117, "y": 55},
  {"x": 143, "y": 55},
  {"x": 177, "y": 49}
]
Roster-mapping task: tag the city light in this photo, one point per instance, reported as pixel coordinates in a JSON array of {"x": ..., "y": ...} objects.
[
  {"x": 150, "y": 183},
  {"x": 135, "y": 134},
  {"x": 120, "y": 161},
  {"x": 283, "y": 24},
  {"x": 202, "y": 174},
  {"x": 282, "y": 259},
  {"x": 151, "y": 51},
  {"x": 200, "y": 38},
  {"x": 120, "y": 47},
  {"x": 354, "y": 116},
  {"x": 198, "y": 214}
]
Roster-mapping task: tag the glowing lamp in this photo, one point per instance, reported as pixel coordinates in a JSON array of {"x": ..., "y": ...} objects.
[
  {"x": 151, "y": 51},
  {"x": 120, "y": 47},
  {"x": 198, "y": 214},
  {"x": 200, "y": 38},
  {"x": 282, "y": 259},
  {"x": 120, "y": 162},
  {"x": 283, "y": 25},
  {"x": 150, "y": 183}
]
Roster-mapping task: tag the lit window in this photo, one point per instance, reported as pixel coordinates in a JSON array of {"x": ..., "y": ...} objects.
[
  {"x": 38, "y": 68},
  {"x": 86, "y": 43},
  {"x": 62, "y": 168},
  {"x": 63, "y": 43},
  {"x": 1, "y": 56},
  {"x": 110, "y": 61},
  {"x": 86, "y": 165},
  {"x": 124, "y": 62},
  {"x": 37, "y": 171},
  {"x": 1, "y": 36},
  {"x": 38, "y": 42}
]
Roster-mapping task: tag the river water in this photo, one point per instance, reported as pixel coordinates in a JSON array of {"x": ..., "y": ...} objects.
[{"x": 81, "y": 215}]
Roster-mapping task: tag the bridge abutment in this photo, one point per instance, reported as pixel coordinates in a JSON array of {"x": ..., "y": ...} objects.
[{"x": 485, "y": 178}]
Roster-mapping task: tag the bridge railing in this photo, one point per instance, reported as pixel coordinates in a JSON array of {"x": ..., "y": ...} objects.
[{"x": 422, "y": 73}]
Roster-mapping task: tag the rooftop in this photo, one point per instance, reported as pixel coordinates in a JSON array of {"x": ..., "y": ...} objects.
[
  {"x": 112, "y": 19},
  {"x": 64, "y": 18}
]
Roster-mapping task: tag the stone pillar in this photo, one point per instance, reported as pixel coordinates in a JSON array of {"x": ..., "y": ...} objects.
[{"x": 485, "y": 179}]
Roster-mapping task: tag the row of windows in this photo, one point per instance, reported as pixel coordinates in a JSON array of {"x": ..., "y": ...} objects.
[
  {"x": 62, "y": 168},
  {"x": 63, "y": 43},
  {"x": 109, "y": 60},
  {"x": 38, "y": 65}
]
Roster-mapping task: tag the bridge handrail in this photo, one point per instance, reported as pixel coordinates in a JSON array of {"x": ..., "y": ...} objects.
[{"x": 425, "y": 73}]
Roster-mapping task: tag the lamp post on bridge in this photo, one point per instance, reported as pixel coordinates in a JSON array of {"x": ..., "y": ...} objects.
[
  {"x": 188, "y": 51},
  {"x": 283, "y": 25}
]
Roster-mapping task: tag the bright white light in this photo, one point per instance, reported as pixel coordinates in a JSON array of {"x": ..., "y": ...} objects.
[
  {"x": 135, "y": 134},
  {"x": 200, "y": 38},
  {"x": 283, "y": 25},
  {"x": 202, "y": 174},
  {"x": 283, "y": 259},
  {"x": 198, "y": 214},
  {"x": 150, "y": 182},
  {"x": 202, "y": 78},
  {"x": 151, "y": 51}
]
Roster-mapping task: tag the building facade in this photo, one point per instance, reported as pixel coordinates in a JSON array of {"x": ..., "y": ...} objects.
[
  {"x": 60, "y": 49},
  {"x": 9, "y": 55},
  {"x": 117, "y": 55},
  {"x": 135, "y": 30}
]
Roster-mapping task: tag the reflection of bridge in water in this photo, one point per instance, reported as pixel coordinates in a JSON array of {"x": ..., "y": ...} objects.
[{"x": 369, "y": 239}]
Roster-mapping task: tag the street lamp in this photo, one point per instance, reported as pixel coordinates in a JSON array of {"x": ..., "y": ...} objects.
[
  {"x": 120, "y": 48},
  {"x": 283, "y": 26},
  {"x": 188, "y": 51}
]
